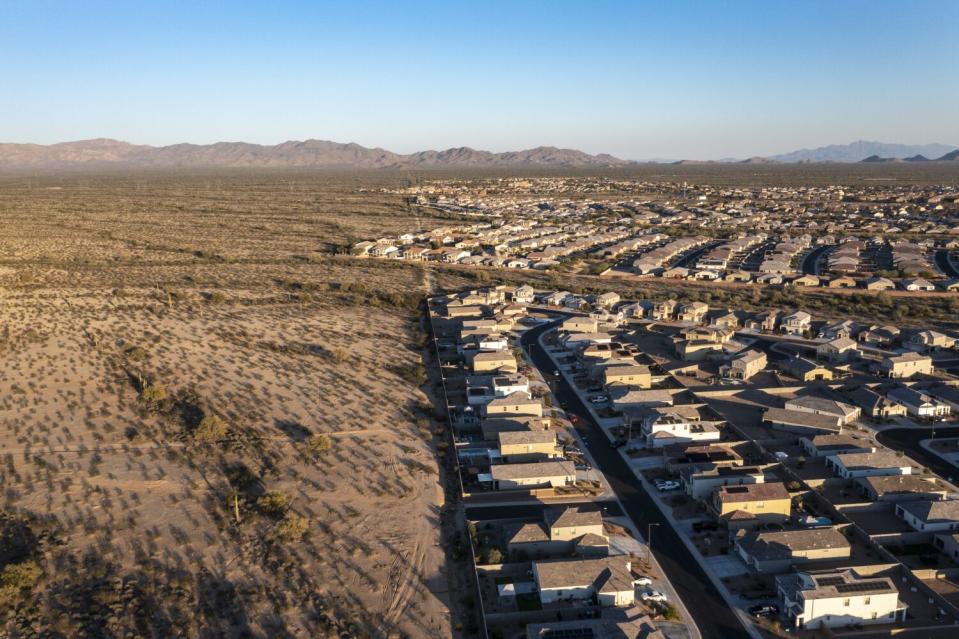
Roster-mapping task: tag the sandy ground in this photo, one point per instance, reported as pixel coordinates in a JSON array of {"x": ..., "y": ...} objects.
[{"x": 134, "y": 515}]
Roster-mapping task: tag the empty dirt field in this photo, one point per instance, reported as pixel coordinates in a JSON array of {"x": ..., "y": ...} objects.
[{"x": 210, "y": 424}]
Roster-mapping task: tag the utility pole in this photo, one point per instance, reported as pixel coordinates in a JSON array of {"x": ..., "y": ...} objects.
[{"x": 649, "y": 543}]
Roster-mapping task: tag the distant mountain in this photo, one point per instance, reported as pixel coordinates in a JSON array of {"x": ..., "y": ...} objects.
[
  {"x": 858, "y": 151},
  {"x": 917, "y": 158},
  {"x": 952, "y": 156},
  {"x": 308, "y": 153},
  {"x": 875, "y": 159}
]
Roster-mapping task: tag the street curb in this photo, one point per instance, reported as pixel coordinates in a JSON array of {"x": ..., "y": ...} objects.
[{"x": 691, "y": 622}]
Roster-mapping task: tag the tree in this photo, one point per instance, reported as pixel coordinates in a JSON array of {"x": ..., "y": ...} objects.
[
  {"x": 494, "y": 556},
  {"x": 211, "y": 429}
]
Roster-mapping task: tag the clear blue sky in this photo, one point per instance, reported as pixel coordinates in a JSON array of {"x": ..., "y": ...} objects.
[{"x": 664, "y": 79}]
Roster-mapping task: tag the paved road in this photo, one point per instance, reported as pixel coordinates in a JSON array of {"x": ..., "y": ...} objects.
[
  {"x": 710, "y": 612},
  {"x": 691, "y": 257},
  {"x": 810, "y": 263},
  {"x": 907, "y": 440},
  {"x": 945, "y": 264}
]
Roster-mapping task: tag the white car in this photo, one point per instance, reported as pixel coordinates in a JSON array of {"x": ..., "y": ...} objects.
[
  {"x": 643, "y": 581},
  {"x": 781, "y": 456},
  {"x": 668, "y": 485},
  {"x": 653, "y": 595}
]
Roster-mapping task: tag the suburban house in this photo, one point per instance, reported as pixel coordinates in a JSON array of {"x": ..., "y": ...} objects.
[
  {"x": 930, "y": 341},
  {"x": 628, "y": 375},
  {"x": 919, "y": 404},
  {"x": 906, "y": 365},
  {"x": 874, "y": 405},
  {"x": 774, "y": 552},
  {"x": 517, "y": 403},
  {"x": 825, "y": 445},
  {"x": 930, "y": 516},
  {"x": 693, "y": 312},
  {"x": 523, "y": 294},
  {"x": 765, "y": 321},
  {"x": 751, "y": 505},
  {"x": 607, "y": 300},
  {"x": 531, "y": 475},
  {"x": 838, "y": 351},
  {"x": 796, "y": 323},
  {"x": 563, "y": 530},
  {"x": 881, "y": 462},
  {"x": 608, "y": 579},
  {"x": 744, "y": 365},
  {"x": 895, "y": 488},
  {"x": 580, "y": 325},
  {"x": 947, "y": 394},
  {"x": 805, "y": 370},
  {"x": 494, "y": 361},
  {"x": 504, "y": 385},
  {"x": 700, "y": 483},
  {"x": 838, "y": 599},
  {"x": 948, "y": 544},
  {"x": 842, "y": 412},
  {"x": 801, "y": 422},
  {"x": 917, "y": 284},
  {"x": 677, "y": 424},
  {"x": 528, "y": 445},
  {"x": 877, "y": 283}
]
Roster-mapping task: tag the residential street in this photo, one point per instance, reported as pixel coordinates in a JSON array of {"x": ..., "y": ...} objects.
[{"x": 710, "y": 612}]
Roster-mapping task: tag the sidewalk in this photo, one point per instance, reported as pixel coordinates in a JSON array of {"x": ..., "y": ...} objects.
[{"x": 669, "y": 589}]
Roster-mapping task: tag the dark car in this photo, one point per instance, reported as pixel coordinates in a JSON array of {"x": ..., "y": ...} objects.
[
  {"x": 764, "y": 610},
  {"x": 619, "y": 443},
  {"x": 701, "y": 526}
]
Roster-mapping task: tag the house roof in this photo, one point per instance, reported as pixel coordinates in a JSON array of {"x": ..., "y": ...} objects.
[
  {"x": 801, "y": 418},
  {"x": 878, "y": 459},
  {"x": 533, "y": 470},
  {"x": 933, "y": 512},
  {"x": 751, "y": 492},
  {"x": 772, "y": 546},
  {"x": 513, "y": 437},
  {"x": 823, "y": 404},
  {"x": 902, "y": 484},
  {"x": 606, "y": 574},
  {"x": 572, "y": 517}
]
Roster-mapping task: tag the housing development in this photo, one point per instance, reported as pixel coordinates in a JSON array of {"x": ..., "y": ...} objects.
[{"x": 756, "y": 440}]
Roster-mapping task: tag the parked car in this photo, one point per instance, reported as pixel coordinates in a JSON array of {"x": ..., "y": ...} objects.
[
  {"x": 668, "y": 485},
  {"x": 781, "y": 456},
  {"x": 618, "y": 443},
  {"x": 597, "y": 400},
  {"x": 701, "y": 526},
  {"x": 653, "y": 595},
  {"x": 643, "y": 581},
  {"x": 764, "y": 610}
]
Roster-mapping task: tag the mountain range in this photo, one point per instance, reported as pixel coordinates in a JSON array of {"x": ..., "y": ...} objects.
[
  {"x": 861, "y": 150},
  {"x": 104, "y": 152}
]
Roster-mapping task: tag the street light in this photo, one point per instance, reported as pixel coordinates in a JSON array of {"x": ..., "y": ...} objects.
[{"x": 649, "y": 542}]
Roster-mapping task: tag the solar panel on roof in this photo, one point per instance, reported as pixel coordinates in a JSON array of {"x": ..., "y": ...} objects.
[
  {"x": 860, "y": 587},
  {"x": 829, "y": 581}
]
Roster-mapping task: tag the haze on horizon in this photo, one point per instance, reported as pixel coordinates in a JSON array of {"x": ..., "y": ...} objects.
[{"x": 676, "y": 80}]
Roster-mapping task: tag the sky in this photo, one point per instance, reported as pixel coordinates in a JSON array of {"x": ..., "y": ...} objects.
[{"x": 640, "y": 80}]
